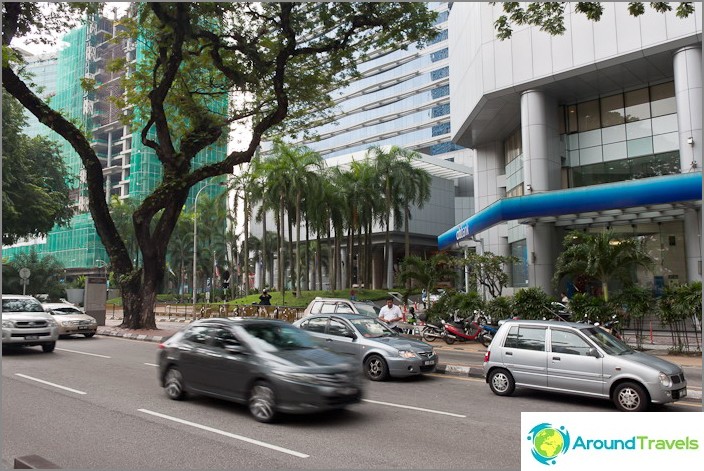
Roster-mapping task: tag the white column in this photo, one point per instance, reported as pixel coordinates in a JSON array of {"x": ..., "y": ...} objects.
[
  {"x": 541, "y": 173},
  {"x": 687, "y": 64}
]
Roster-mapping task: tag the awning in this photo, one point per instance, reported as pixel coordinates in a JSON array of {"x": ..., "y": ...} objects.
[{"x": 628, "y": 202}]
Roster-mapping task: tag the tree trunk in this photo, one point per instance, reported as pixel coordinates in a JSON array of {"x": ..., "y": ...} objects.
[
  {"x": 334, "y": 256},
  {"x": 247, "y": 216},
  {"x": 281, "y": 229},
  {"x": 350, "y": 256},
  {"x": 265, "y": 257},
  {"x": 298, "y": 244}
]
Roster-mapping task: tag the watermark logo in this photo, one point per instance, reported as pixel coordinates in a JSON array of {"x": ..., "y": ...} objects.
[{"x": 548, "y": 442}]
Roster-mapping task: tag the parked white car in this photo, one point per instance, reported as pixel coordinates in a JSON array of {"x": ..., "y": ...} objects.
[{"x": 71, "y": 319}]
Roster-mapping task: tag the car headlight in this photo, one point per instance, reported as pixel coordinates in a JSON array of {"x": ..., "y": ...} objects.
[
  {"x": 52, "y": 323},
  {"x": 665, "y": 380},
  {"x": 8, "y": 324},
  {"x": 406, "y": 354},
  {"x": 93, "y": 321}
]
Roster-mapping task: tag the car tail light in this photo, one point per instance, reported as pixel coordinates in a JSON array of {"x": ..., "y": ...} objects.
[
  {"x": 487, "y": 355},
  {"x": 161, "y": 346}
]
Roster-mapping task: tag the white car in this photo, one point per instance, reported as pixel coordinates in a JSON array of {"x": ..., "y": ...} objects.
[
  {"x": 71, "y": 319},
  {"x": 25, "y": 323}
]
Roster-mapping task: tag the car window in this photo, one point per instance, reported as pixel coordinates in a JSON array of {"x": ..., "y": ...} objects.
[
  {"x": 337, "y": 327},
  {"x": 316, "y": 324},
  {"x": 66, "y": 310},
  {"x": 21, "y": 305},
  {"x": 344, "y": 308},
  {"x": 327, "y": 308},
  {"x": 526, "y": 338},
  {"x": 221, "y": 337},
  {"x": 197, "y": 334},
  {"x": 367, "y": 309},
  {"x": 315, "y": 307},
  {"x": 371, "y": 328},
  {"x": 608, "y": 342},
  {"x": 563, "y": 341},
  {"x": 275, "y": 337}
]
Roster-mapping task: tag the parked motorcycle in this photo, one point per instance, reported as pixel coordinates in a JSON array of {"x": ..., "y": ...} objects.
[
  {"x": 611, "y": 326},
  {"x": 430, "y": 332},
  {"x": 466, "y": 331}
]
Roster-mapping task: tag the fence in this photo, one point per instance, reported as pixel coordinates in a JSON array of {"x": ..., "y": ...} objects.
[{"x": 204, "y": 311}]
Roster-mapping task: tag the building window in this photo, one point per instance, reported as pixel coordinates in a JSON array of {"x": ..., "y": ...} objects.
[
  {"x": 612, "y": 110},
  {"x": 439, "y": 73},
  {"x": 572, "y": 126},
  {"x": 588, "y": 116},
  {"x": 515, "y": 191},
  {"x": 442, "y": 36},
  {"x": 513, "y": 146},
  {"x": 439, "y": 55},
  {"x": 519, "y": 270},
  {"x": 440, "y": 92},
  {"x": 440, "y": 110},
  {"x": 637, "y": 105},
  {"x": 662, "y": 99},
  {"x": 440, "y": 129}
]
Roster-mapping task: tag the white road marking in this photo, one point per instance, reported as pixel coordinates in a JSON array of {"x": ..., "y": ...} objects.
[
  {"x": 151, "y": 364},
  {"x": 227, "y": 434},
  {"x": 414, "y": 408},
  {"x": 50, "y": 384},
  {"x": 82, "y": 353}
]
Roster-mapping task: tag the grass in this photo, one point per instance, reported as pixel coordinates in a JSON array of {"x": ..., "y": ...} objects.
[{"x": 286, "y": 298}]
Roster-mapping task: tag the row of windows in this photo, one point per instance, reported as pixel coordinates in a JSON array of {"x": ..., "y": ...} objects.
[
  {"x": 644, "y": 103},
  {"x": 561, "y": 341},
  {"x": 626, "y": 169}
]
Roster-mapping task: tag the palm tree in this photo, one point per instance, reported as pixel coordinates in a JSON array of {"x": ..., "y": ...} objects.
[
  {"x": 392, "y": 167},
  {"x": 603, "y": 256},
  {"x": 427, "y": 272},
  {"x": 414, "y": 191},
  {"x": 180, "y": 250}
]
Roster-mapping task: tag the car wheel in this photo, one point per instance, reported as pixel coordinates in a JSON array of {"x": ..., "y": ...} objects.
[
  {"x": 89, "y": 335},
  {"x": 174, "y": 385},
  {"x": 375, "y": 368},
  {"x": 630, "y": 397},
  {"x": 262, "y": 402},
  {"x": 48, "y": 347},
  {"x": 501, "y": 382}
]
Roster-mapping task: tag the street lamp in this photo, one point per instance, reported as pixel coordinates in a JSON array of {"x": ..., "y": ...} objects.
[{"x": 195, "y": 235}]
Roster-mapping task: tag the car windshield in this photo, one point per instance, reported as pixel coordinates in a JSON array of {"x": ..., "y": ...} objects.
[
  {"x": 275, "y": 337},
  {"x": 372, "y": 328},
  {"x": 367, "y": 309},
  {"x": 607, "y": 342},
  {"x": 21, "y": 305}
]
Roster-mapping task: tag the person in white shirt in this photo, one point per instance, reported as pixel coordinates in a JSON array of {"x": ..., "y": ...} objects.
[{"x": 390, "y": 313}]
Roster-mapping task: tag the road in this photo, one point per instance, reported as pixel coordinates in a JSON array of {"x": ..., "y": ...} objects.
[{"x": 96, "y": 404}]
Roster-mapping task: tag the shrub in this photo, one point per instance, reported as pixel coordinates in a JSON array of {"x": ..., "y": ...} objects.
[{"x": 532, "y": 303}]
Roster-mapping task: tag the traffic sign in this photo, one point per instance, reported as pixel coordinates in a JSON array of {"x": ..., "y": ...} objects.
[{"x": 24, "y": 273}]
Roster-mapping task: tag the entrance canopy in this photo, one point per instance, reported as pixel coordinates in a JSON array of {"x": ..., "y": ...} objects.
[{"x": 628, "y": 202}]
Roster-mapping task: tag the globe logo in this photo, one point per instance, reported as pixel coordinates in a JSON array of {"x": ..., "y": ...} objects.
[{"x": 548, "y": 442}]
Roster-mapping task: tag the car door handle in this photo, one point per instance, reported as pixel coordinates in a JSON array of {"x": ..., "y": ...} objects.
[
  {"x": 556, "y": 358},
  {"x": 509, "y": 353}
]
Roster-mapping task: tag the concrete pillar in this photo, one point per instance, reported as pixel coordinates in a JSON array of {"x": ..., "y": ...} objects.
[
  {"x": 541, "y": 172},
  {"x": 540, "y": 240},
  {"x": 687, "y": 64}
]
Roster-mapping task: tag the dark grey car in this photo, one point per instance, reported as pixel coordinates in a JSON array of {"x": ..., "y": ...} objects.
[
  {"x": 268, "y": 364},
  {"x": 381, "y": 351}
]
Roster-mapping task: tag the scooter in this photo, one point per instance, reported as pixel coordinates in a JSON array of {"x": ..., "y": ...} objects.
[
  {"x": 610, "y": 326},
  {"x": 468, "y": 331},
  {"x": 430, "y": 332}
]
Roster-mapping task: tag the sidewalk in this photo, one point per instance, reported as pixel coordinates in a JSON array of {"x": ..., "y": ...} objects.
[{"x": 167, "y": 327}]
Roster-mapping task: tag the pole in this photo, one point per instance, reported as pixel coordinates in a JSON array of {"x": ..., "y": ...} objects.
[{"x": 195, "y": 236}]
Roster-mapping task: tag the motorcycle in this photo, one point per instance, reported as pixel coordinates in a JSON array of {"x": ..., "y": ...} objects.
[
  {"x": 430, "y": 332},
  {"x": 466, "y": 331},
  {"x": 611, "y": 326}
]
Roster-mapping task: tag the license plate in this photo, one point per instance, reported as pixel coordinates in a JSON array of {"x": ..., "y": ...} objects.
[
  {"x": 82, "y": 327},
  {"x": 429, "y": 362},
  {"x": 683, "y": 393},
  {"x": 31, "y": 337}
]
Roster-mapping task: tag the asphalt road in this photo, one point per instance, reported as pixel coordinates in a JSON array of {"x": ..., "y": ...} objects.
[{"x": 96, "y": 404}]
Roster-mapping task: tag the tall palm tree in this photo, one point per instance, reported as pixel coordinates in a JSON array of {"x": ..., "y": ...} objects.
[
  {"x": 414, "y": 191},
  {"x": 604, "y": 256},
  {"x": 180, "y": 250},
  {"x": 391, "y": 166}
]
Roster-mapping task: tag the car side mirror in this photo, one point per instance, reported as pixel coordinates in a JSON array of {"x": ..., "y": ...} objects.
[
  {"x": 351, "y": 335},
  {"x": 593, "y": 352}
]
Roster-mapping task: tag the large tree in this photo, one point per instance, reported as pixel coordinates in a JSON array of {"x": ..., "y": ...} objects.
[
  {"x": 35, "y": 194},
  {"x": 284, "y": 57},
  {"x": 550, "y": 16}
]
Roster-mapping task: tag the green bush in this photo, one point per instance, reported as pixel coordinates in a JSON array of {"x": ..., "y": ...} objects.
[
  {"x": 591, "y": 308},
  {"x": 499, "y": 308},
  {"x": 532, "y": 303}
]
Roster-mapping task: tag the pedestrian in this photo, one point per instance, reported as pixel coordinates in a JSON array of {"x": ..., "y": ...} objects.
[
  {"x": 424, "y": 297},
  {"x": 564, "y": 299},
  {"x": 391, "y": 314},
  {"x": 265, "y": 298},
  {"x": 353, "y": 295},
  {"x": 411, "y": 317}
]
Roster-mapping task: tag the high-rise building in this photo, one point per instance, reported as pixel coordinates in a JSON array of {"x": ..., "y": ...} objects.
[
  {"x": 130, "y": 169},
  {"x": 600, "y": 127},
  {"x": 402, "y": 98}
]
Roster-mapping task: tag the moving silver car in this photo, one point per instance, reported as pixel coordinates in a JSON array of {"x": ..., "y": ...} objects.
[
  {"x": 381, "y": 351},
  {"x": 71, "y": 320},
  {"x": 268, "y": 364},
  {"x": 576, "y": 358}
]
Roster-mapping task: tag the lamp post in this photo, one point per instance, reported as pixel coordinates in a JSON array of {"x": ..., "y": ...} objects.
[{"x": 195, "y": 236}]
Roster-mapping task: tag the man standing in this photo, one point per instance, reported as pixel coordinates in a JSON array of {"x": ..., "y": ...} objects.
[{"x": 390, "y": 313}]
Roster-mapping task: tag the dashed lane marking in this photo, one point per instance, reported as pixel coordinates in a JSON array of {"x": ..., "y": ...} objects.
[
  {"x": 414, "y": 408},
  {"x": 82, "y": 353},
  {"x": 50, "y": 384}
]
